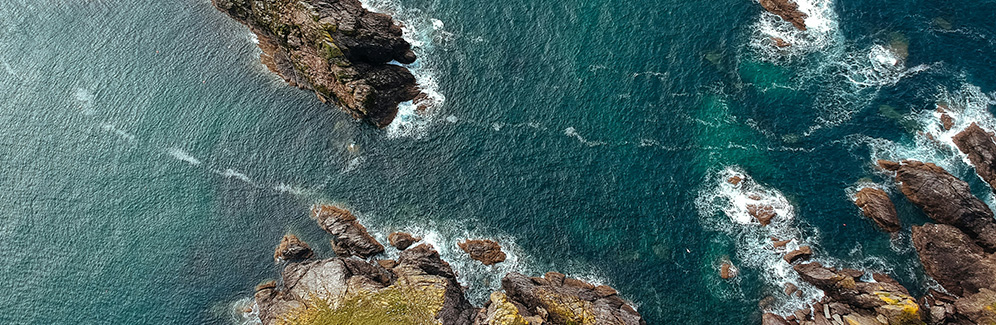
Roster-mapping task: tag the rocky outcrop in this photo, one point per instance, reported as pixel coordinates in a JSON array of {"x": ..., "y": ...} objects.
[
  {"x": 947, "y": 200},
  {"x": 763, "y": 213},
  {"x": 483, "y": 250},
  {"x": 803, "y": 253},
  {"x": 401, "y": 240},
  {"x": 788, "y": 10},
  {"x": 337, "y": 48},
  {"x": 420, "y": 288},
  {"x": 350, "y": 238},
  {"x": 850, "y": 300},
  {"x": 954, "y": 260},
  {"x": 557, "y": 299},
  {"x": 291, "y": 249},
  {"x": 875, "y": 204},
  {"x": 980, "y": 146}
]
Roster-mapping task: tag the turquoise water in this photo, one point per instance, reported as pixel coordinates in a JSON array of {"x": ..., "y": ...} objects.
[{"x": 151, "y": 163}]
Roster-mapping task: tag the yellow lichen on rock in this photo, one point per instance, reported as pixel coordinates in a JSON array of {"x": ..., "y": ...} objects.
[
  {"x": 899, "y": 309},
  {"x": 400, "y": 303},
  {"x": 505, "y": 312},
  {"x": 567, "y": 309}
]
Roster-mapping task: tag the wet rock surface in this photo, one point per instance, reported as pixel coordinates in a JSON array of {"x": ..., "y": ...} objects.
[
  {"x": 401, "y": 240},
  {"x": 876, "y": 205},
  {"x": 350, "y": 238},
  {"x": 485, "y": 251},
  {"x": 291, "y": 249},
  {"x": 980, "y": 146},
  {"x": 337, "y": 48},
  {"x": 787, "y": 10}
]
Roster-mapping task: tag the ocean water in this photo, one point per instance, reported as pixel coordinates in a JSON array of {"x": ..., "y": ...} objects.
[{"x": 151, "y": 163}]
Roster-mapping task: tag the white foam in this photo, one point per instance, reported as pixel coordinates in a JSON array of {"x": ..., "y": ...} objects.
[
  {"x": 85, "y": 98},
  {"x": 232, "y": 173},
  {"x": 8, "y": 68},
  {"x": 292, "y": 189},
  {"x": 572, "y": 132},
  {"x": 183, "y": 155},
  {"x": 821, "y": 31},
  {"x": 880, "y": 66},
  {"x": 353, "y": 164},
  {"x": 121, "y": 133},
  {"x": 723, "y": 207}
]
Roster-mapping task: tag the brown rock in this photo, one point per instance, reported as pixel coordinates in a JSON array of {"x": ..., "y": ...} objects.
[
  {"x": 947, "y": 200},
  {"x": 401, "y": 240},
  {"x": 803, "y": 253},
  {"x": 763, "y": 213},
  {"x": 953, "y": 259},
  {"x": 727, "y": 271},
  {"x": 980, "y": 146},
  {"x": 888, "y": 165},
  {"x": 772, "y": 319},
  {"x": 875, "y": 204},
  {"x": 555, "y": 278},
  {"x": 790, "y": 288},
  {"x": 947, "y": 122},
  {"x": 788, "y": 10},
  {"x": 387, "y": 264},
  {"x": 485, "y": 251},
  {"x": 291, "y": 249},
  {"x": 979, "y": 308},
  {"x": 780, "y": 243},
  {"x": 584, "y": 305},
  {"x": 349, "y": 236},
  {"x": 735, "y": 180},
  {"x": 779, "y": 42}
]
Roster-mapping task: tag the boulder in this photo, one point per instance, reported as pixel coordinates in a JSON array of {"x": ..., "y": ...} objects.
[
  {"x": 947, "y": 122},
  {"x": 291, "y": 249},
  {"x": 337, "y": 48},
  {"x": 485, "y": 251},
  {"x": 763, "y": 213},
  {"x": 350, "y": 238},
  {"x": 803, "y": 253},
  {"x": 980, "y": 146},
  {"x": 953, "y": 259},
  {"x": 567, "y": 303},
  {"x": 787, "y": 10},
  {"x": 401, "y": 240},
  {"x": 727, "y": 271},
  {"x": 947, "y": 200},
  {"x": 876, "y": 205}
]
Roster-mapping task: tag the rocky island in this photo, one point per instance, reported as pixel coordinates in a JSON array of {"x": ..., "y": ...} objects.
[
  {"x": 342, "y": 51},
  {"x": 416, "y": 288}
]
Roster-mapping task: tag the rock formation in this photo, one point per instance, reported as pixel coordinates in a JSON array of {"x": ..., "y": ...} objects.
[
  {"x": 953, "y": 259},
  {"x": 401, "y": 240},
  {"x": 850, "y": 300},
  {"x": 875, "y": 204},
  {"x": 980, "y": 146},
  {"x": 788, "y": 10},
  {"x": 485, "y": 251},
  {"x": 350, "y": 238},
  {"x": 420, "y": 288},
  {"x": 292, "y": 249},
  {"x": 336, "y": 48},
  {"x": 763, "y": 213},
  {"x": 947, "y": 200},
  {"x": 803, "y": 253}
]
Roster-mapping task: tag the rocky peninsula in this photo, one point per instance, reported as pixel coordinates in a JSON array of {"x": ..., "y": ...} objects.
[
  {"x": 342, "y": 51},
  {"x": 416, "y": 288}
]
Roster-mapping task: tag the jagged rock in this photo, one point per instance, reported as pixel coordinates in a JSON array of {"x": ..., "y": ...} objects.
[
  {"x": 735, "y": 180},
  {"x": 350, "y": 238},
  {"x": 953, "y": 259},
  {"x": 849, "y": 298},
  {"x": 772, "y": 319},
  {"x": 979, "y": 308},
  {"x": 803, "y": 253},
  {"x": 875, "y": 204},
  {"x": 763, "y": 213},
  {"x": 337, "y": 48},
  {"x": 727, "y": 271},
  {"x": 788, "y": 10},
  {"x": 888, "y": 165},
  {"x": 790, "y": 288},
  {"x": 421, "y": 266},
  {"x": 947, "y": 200},
  {"x": 401, "y": 240},
  {"x": 779, "y": 42},
  {"x": 980, "y": 146},
  {"x": 780, "y": 243},
  {"x": 291, "y": 248},
  {"x": 569, "y": 304},
  {"x": 485, "y": 251},
  {"x": 947, "y": 122}
]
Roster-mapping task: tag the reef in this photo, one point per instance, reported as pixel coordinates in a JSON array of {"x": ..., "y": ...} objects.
[
  {"x": 419, "y": 287},
  {"x": 342, "y": 51},
  {"x": 956, "y": 252}
]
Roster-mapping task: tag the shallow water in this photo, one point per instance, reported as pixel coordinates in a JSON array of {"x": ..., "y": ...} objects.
[{"x": 151, "y": 163}]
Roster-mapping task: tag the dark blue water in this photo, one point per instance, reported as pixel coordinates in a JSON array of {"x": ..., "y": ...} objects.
[{"x": 151, "y": 163}]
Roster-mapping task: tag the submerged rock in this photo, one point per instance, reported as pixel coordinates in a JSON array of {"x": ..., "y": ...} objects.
[
  {"x": 876, "y": 205},
  {"x": 401, "y": 240},
  {"x": 485, "y": 251},
  {"x": 291, "y": 249},
  {"x": 337, "y": 48},
  {"x": 980, "y": 146},
  {"x": 788, "y": 10},
  {"x": 947, "y": 200},
  {"x": 350, "y": 238}
]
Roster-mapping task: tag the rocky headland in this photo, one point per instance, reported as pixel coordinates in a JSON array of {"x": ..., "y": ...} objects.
[
  {"x": 957, "y": 252},
  {"x": 418, "y": 287},
  {"x": 337, "y": 48}
]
